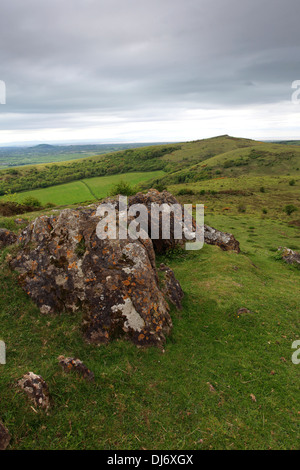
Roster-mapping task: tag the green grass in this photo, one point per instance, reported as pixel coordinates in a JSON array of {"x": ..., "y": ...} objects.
[
  {"x": 84, "y": 190},
  {"x": 277, "y": 193},
  {"x": 147, "y": 399}
]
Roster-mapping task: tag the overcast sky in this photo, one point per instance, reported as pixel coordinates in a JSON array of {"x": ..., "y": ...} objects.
[{"x": 148, "y": 70}]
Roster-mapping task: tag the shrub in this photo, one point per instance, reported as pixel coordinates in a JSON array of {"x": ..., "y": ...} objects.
[
  {"x": 184, "y": 191},
  {"x": 292, "y": 183},
  {"x": 290, "y": 208},
  {"x": 202, "y": 192},
  {"x": 31, "y": 201},
  {"x": 123, "y": 188},
  {"x": 262, "y": 190},
  {"x": 160, "y": 187},
  {"x": 264, "y": 211}
]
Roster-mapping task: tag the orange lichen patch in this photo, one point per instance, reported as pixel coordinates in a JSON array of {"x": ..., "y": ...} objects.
[
  {"x": 73, "y": 266},
  {"x": 90, "y": 280},
  {"x": 49, "y": 227},
  {"x": 69, "y": 253},
  {"x": 114, "y": 287},
  {"x": 126, "y": 283},
  {"x": 33, "y": 265},
  {"x": 94, "y": 244},
  {"x": 78, "y": 237},
  {"x": 141, "y": 337}
]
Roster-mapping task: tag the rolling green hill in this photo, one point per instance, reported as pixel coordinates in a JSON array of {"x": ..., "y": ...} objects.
[{"x": 202, "y": 164}]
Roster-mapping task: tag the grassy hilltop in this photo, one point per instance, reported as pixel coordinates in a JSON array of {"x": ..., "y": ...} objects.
[{"x": 225, "y": 381}]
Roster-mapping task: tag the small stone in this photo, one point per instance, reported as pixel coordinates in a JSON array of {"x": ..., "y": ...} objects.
[
  {"x": 20, "y": 221},
  {"x": 71, "y": 363},
  {"x": 290, "y": 256},
  {"x": 36, "y": 389},
  {"x": 243, "y": 311},
  {"x": 4, "y": 436},
  {"x": 7, "y": 237}
]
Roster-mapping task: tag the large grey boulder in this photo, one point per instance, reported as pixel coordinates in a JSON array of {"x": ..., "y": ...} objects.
[{"x": 64, "y": 266}]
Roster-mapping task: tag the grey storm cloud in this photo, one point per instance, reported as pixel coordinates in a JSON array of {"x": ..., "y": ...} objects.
[{"x": 62, "y": 59}]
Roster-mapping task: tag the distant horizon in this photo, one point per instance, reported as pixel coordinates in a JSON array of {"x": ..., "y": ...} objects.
[{"x": 120, "y": 142}]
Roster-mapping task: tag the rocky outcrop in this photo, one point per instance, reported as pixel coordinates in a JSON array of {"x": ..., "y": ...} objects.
[
  {"x": 72, "y": 364},
  {"x": 225, "y": 241},
  {"x": 4, "y": 437},
  {"x": 64, "y": 266},
  {"x": 172, "y": 287},
  {"x": 7, "y": 237},
  {"x": 36, "y": 389},
  {"x": 155, "y": 197},
  {"x": 289, "y": 256}
]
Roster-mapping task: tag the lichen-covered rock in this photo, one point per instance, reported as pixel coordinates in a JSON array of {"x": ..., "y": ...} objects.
[
  {"x": 4, "y": 437},
  {"x": 172, "y": 287},
  {"x": 7, "y": 237},
  {"x": 20, "y": 221},
  {"x": 225, "y": 241},
  {"x": 36, "y": 389},
  {"x": 155, "y": 197},
  {"x": 64, "y": 266},
  {"x": 73, "y": 364},
  {"x": 290, "y": 256}
]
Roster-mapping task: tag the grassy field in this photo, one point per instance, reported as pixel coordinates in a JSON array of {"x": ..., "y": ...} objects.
[
  {"x": 200, "y": 393},
  {"x": 84, "y": 190},
  {"x": 264, "y": 196},
  {"x": 225, "y": 381}
]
